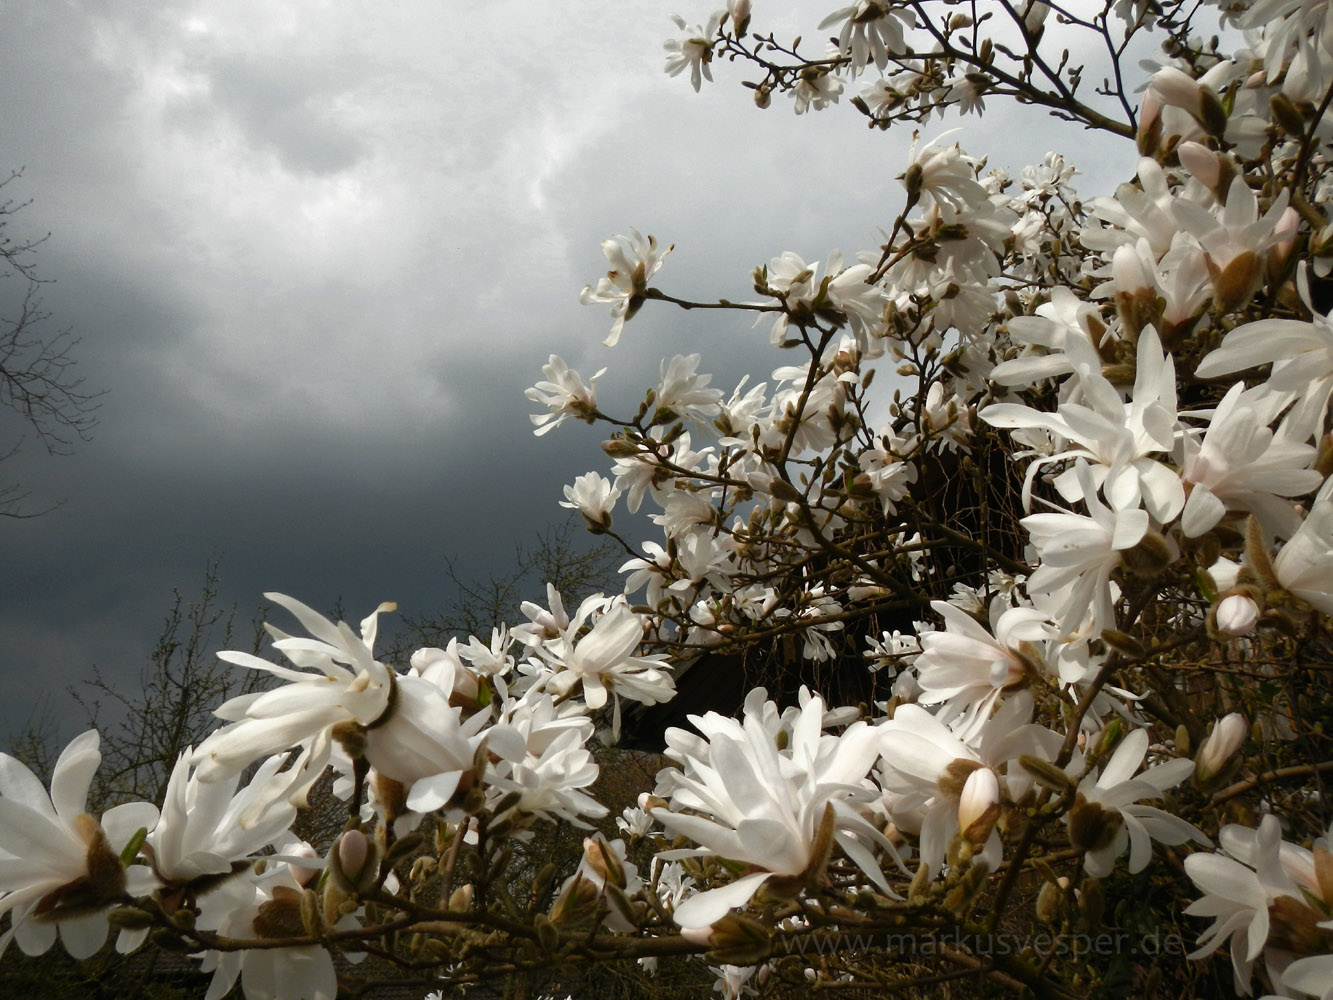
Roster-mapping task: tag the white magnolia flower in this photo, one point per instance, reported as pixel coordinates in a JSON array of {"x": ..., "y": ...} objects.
[
  {"x": 564, "y": 394},
  {"x": 1107, "y": 816},
  {"x": 1239, "y": 463},
  {"x": 694, "y": 51},
  {"x": 965, "y": 667},
  {"x": 681, "y": 390},
  {"x": 634, "y": 260},
  {"x": 208, "y": 826},
  {"x": 602, "y": 660},
  {"x": 544, "y": 757},
  {"x": 926, "y": 765},
  {"x": 338, "y": 680},
  {"x": 60, "y": 869},
  {"x": 1118, "y": 437},
  {"x": 815, "y": 90},
  {"x": 1238, "y": 889},
  {"x": 1301, "y": 354},
  {"x": 1078, "y": 555},
  {"x": 740, "y": 797},
  {"x": 593, "y": 496},
  {"x": 266, "y": 907},
  {"x": 870, "y": 32},
  {"x": 943, "y": 174}
]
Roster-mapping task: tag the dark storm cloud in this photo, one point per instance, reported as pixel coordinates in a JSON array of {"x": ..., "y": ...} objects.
[{"x": 316, "y": 256}]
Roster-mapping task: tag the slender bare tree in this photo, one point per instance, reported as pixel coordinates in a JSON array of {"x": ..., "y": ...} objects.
[{"x": 38, "y": 381}]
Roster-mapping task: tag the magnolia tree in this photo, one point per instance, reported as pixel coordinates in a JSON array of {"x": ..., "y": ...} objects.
[{"x": 1089, "y": 490}]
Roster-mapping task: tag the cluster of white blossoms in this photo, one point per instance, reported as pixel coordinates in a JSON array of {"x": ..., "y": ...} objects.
[{"x": 1047, "y": 477}]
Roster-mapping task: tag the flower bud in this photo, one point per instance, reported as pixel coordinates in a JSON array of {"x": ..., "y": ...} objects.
[
  {"x": 738, "y": 939},
  {"x": 979, "y": 805},
  {"x": 1202, "y": 162},
  {"x": 1051, "y": 902},
  {"x": 1034, "y": 18},
  {"x": 1236, "y": 615},
  {"x": 461, "y": 898},
  {"x": 1235, "y": 284},
  {"x": 354, "y": 862},
  {"x": 1287, "y": 115},
  {"x": 739, "y": 13},
  {"x": 1219, "y": 748},
  {"x": 1149, "y": 134},
  {"x": 1178, "y": 89}
]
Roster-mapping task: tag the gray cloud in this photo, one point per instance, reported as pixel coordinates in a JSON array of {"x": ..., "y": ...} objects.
[{"x": 317, "y": 254}]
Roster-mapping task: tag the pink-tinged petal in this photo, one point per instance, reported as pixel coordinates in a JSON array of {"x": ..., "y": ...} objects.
[{"x": 707, "y": 908}]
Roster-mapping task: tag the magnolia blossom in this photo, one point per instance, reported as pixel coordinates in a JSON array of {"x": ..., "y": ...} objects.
[
  {"x": 1107, "y": 816},
  {"x": 779, "y": 810},
  {"x": 338, "y": 680},
  {"x": 593, "y": 496},
  {"x": 869, "y": 32},
  {"x": 1078, "y": 555},
  {"x": 685, "y": 393},
  {"x": 1301, "y": 353},
  {"x": 1239, "y": 891},
  {"x": 207, "y": 827},
  {"x": 1240, "y": 463},
  {"x": 634, "y": 260},
  {"x": 966, "y": 668},
  {"x": 926, "y": 765},
  {"x": 693, "y": 52},
  {"x": 564, "y": 394},
  {"x": 265, "y": 907},
  {"x": 602, "y": 660},
  {"x": 60, "y": 868}
]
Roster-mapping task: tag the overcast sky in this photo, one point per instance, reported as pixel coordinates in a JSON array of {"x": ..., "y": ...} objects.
[{"x": 315, "y": 253}]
